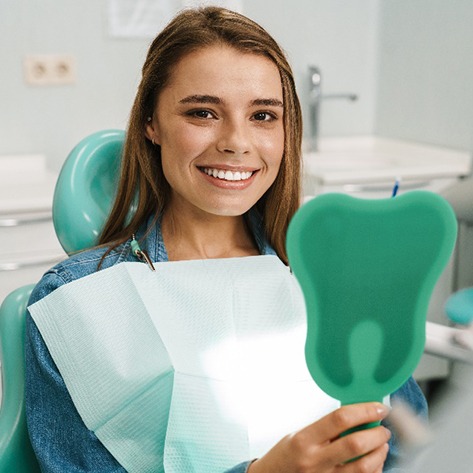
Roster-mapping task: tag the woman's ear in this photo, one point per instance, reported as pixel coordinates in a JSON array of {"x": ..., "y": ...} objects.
[{"x": 151, "y": 131}]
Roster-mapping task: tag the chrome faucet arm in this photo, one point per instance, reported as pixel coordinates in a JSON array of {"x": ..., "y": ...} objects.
[
  {"x": 347, "y": 96},
  {"x": 315, "y": 97}
]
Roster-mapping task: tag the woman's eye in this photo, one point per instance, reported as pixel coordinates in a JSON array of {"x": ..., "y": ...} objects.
[
  {"x": 263, "y": 117},
  {"x": 201, "y": 114}
]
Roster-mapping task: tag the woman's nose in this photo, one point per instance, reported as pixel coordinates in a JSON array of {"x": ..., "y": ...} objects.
[{"x": 234, "y": 138}]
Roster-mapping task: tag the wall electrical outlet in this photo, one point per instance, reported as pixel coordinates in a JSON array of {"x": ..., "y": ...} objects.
[{"x": 50, "y": 69}]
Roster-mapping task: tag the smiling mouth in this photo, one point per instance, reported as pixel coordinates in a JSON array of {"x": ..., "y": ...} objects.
[{"x": 227, "y": 175}]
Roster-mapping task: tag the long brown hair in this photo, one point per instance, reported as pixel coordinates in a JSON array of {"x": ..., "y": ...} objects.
[{"x": 142, "y": 182}]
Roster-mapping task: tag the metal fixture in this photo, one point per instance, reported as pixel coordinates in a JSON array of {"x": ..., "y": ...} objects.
[{"x": 315, "y": 97}]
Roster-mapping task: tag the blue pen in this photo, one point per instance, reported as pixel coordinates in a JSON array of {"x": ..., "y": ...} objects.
[{"x": 396, "y": 187}]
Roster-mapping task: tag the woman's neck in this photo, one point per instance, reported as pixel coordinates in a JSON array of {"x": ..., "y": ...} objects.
[{"x": 194, "y": 235}]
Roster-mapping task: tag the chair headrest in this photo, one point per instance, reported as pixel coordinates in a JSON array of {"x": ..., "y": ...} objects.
[{"x": 85, "y": 189}]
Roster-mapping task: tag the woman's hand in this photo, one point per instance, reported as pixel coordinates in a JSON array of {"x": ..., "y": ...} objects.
[{"x": 318, "y": 448}]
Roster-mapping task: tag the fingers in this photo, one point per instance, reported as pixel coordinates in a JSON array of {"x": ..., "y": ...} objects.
[
  {"x": 354, "y": 447},
  {"x": 373, "y": 462},
  {"x": 346, "y": 417},
  {"x": 321, "y": 448}
]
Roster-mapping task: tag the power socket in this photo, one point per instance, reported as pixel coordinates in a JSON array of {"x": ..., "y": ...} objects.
[{"x": 49, "y": 69}]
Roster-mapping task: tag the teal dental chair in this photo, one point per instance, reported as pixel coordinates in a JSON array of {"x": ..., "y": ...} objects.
[
  {"x": 16, "y": 454},
  {"x": 82, "y": 200}
]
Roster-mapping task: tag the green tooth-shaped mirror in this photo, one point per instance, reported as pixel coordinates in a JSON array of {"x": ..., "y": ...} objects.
[{"x": 367, "y": 269}]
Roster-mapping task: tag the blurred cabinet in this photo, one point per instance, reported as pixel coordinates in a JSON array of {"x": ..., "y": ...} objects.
[{"x": 28, "y": 244}]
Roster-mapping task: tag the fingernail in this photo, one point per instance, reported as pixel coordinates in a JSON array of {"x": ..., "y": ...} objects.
[{"x": 383, "y": 410}]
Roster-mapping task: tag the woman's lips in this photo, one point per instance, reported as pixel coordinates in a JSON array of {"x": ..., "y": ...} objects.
[
  {"x": 227, "y": 175},
  {"x": 228, "y": 178}
]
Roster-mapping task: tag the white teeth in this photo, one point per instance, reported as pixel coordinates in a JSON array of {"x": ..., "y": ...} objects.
[{"x": 228, "y": 175}]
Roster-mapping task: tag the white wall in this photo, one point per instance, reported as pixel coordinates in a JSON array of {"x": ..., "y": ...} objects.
[
  {"x": 409, "y": 61},
  {"x": 426, "y": 72},
  {"x": 51, "y": 120},
  {"x": 337, "y": 35}
]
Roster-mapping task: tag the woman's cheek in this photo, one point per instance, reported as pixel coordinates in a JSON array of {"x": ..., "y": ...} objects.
[{"x": 193, "y": 140}]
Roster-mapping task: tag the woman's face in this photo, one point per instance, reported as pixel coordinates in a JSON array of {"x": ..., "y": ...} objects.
[{"x": 219, "y": 123}]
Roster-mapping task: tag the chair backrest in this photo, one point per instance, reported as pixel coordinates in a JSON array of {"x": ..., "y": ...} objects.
[
  {"x": 82, "y": 200},
  {"x": 16, "y": 453}
]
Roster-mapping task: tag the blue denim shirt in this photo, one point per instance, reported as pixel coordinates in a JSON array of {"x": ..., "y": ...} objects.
[{"x": 60, "y": 439}]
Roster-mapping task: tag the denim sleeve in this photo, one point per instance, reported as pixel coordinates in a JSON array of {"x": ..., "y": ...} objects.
[
  {"x": 60, "y": 439},
  {"x": 409, "y": 394}
]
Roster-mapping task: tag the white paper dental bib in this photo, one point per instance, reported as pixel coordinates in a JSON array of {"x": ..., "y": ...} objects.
[{"x": 192, "y": 368}]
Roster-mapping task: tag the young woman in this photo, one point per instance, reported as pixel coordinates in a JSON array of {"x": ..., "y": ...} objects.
[{"x": 212, "y": 163}]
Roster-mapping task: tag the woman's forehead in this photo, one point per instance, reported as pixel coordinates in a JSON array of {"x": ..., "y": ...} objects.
[{"x": 222, "y": 70}]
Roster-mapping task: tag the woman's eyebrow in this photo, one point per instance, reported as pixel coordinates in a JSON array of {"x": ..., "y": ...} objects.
[
  {"x": 201, "y": 99},
  {"x": 268, "y": 102}
]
